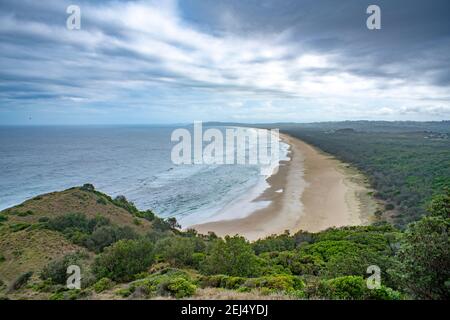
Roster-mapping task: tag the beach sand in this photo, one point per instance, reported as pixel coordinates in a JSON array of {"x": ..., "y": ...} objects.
[{"x": 311, "y": 192}]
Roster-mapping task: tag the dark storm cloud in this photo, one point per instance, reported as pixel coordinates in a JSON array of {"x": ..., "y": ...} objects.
[{"x": 231, "y": 51}]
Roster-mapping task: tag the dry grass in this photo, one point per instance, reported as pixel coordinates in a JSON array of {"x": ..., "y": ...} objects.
[
  {"x": 224, "y": 294},
  {"x": 30, "y": 250}
]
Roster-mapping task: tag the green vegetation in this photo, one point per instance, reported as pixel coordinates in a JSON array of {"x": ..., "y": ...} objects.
[
  {"x": 94, "y": 234},
  {"x": 124, "y": 252},
  {"x": 56, "y": 271},
  {"x": 124, "y": 259}
]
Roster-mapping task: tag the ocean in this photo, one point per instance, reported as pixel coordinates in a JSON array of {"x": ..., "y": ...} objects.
[{"x": 134, "y": 161}]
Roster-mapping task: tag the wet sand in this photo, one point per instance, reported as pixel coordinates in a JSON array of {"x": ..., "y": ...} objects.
[{"x": 311, "y": 192}]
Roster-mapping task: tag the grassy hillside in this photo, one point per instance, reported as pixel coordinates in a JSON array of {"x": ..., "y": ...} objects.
[
  {"x": 75, "y": 200},
  {"x": 125, "y": 253}
]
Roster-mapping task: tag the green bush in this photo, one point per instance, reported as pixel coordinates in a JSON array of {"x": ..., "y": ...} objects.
[
  {"x": 233, "y": 256},
  {"x": 347, "y": 288},
  {"x": 354, "y": 288},
  {"x": 122, "y": 202},
  {"x": 106, "y": 235},
  {"x": 177, "y": 250},
  {"x": 147, "y": 215},
  {"x": 277, "y": 283},
  {"x": 274, "y": 243},
  {"x": 19, "y": 226},
  {"x": 181, "y": 288},
  {"x": 121, "y": 261},
  {"x": 56, "y": 270},
  {"x": 423, "y": 267},
  {"x": 103, "y": 284},
  {"x": 3, "y": 218},
  {"x": 88, "y": 187},
  {"x": 169, "y": 282}
]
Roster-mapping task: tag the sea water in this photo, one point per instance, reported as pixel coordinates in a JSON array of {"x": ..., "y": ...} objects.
[{"x": 134, "y": 161}]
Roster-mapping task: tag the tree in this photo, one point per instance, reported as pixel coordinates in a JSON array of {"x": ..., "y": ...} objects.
[
  {"x": 233, "y": 256},
  {"x": 176, "y": 250},
  {"x": 440, "y": 205},
  {"x": 107, "y": 235},
  {"x": 124, "y": 259},
  {"x": 173, "y": 223},
  {"x": 424, "y": 255}
]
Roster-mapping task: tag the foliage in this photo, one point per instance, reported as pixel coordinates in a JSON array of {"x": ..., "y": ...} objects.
[
  {"x": 121, "y": 261},
  {"x": 168, "y": 282},
  {"x": 233, "y": 256},
  {"x": 103, "y": 284},
  {"x": 424, "y": 259},
  {"x": 181, "y": 288},
  {"x": 94, "y": 234},
  {"x": 107, "y": 235},
  {"x": 56, "y": 270},
  {"x": 121, "y": 201},
  {"x": 274, "y": 243},
  {"x": 354, "y": 288},
  {"x": 178, "y": 250}
]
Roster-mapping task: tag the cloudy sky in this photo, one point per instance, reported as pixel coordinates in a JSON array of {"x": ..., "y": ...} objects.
[{"x": 227, "y": 60}]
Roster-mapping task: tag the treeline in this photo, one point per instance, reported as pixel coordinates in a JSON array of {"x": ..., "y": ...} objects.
[
  {"x": 414, "y": 263},
  {"x": 406, "y": 168}
]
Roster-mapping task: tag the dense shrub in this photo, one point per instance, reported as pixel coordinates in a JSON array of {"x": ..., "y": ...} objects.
[
  {"x": 56, "y": 270},
  {"x": 354, "y": 288},
  {"x": 424, "y": 259},
  {"x": 180, "y": 287},
  {"x": 107, "y": 235},
  {"x": 103, "y": 284},
  {"x": 72, "y": 222},
  {"x": 122, "y": 202},
  {"x": 274, "y": 283},
  {"x": 274, "y": 243},
  {"x": 348, "y": 287},
  {"x": 160, "y": 225},
  {"x": 147, "y": 215},
  {"x": 233, "y": 256},
  {"x": 94, "y": 234},
  {"x": 178, "y": 250},
  {"x": 121, "y": 261},
  {"x": 169, "y": 282}
]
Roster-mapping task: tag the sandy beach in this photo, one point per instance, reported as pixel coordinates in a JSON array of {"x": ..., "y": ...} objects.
[{"x": 312, "y": 192}]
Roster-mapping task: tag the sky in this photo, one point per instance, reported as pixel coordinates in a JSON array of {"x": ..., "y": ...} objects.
[{"x": 146, "y": 62}]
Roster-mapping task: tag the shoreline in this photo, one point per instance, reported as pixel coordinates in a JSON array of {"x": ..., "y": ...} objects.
[{"x": 317, "y": 192}]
